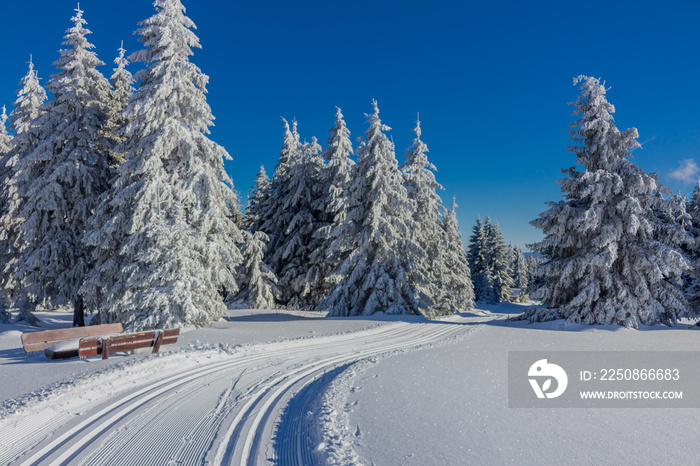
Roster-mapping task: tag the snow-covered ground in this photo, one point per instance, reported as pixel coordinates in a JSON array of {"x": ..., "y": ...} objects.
[{"x": 288, "y": 388}]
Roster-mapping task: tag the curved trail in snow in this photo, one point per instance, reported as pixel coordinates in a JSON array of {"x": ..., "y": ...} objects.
[{"x": 205, "y": 407}]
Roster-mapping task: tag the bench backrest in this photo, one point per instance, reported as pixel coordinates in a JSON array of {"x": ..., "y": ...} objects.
[
  {"x": 37, "y": 341},
  {"x": 96, "y": 346}
]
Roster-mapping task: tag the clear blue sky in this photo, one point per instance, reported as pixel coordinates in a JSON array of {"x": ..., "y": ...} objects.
[{"x": 491, "y": 81}]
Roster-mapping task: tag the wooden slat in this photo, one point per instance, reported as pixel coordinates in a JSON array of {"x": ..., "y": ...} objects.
[
  {"x": 125, "y": 342},
  {"x": 37, "y": 341},
  {"x": 89, "y": 347}
]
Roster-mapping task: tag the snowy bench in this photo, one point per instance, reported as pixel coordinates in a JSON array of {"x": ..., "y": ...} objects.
[
  {"x": 38, "y": 341},
  {"x": 103, "y": 346}
]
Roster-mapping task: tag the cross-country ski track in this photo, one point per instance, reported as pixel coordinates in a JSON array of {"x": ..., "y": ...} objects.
[{"x": 238, "y": 406}]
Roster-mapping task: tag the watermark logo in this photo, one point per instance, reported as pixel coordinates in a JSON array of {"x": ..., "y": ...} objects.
[{"x": 542, "y": 370}]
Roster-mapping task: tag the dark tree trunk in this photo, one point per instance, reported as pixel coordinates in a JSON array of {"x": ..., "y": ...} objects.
[{"x": 79, "y": 313}]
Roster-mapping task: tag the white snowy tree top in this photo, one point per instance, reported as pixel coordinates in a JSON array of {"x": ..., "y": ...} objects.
[
  {"x": 30, "y": 97},
  {"x": 5, "y": 139}
]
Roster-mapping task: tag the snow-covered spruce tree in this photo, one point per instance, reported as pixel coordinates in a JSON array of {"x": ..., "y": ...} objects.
[
  {"x": 5, "y": 138},
  {"x": 297, "y": 192},
  {"x": 59, "y": 182},
  {"x": 378, "y": 232},
  {"x": 258, "y": 285},
  {"x": 481, "y": 278},
  {"x": 536, "y": 274},
  {"x": 613, "y": 243},
  {"x": 498, "y": 263},
  {"x": 332, "y": 203},
  {"x": 520, "y": 271},
  {"x": 163, "y": 243},
  {"x": 458, "y": 277},
  {"x": 122, "y": 82},
  {"x": 5, "y": 146},
  {"x": 693, "y": 206},
  {"x": 256, "y": 200},
  {"x": 30, "y": 98},
  {"x": 271, "y": 203},
  {"x": 422, "y": 189},
  {"x": 690, "y": 219},
  {"x": 289, "y": 216}
]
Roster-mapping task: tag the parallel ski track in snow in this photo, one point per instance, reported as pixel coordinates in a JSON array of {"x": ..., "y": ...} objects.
[{"x": 223, "y": 412}]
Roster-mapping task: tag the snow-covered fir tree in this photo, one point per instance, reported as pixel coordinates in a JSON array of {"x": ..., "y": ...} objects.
[
  {"x": 498, "y": 263},
  {"x": 332, "y": 203},
  {"x": 481, "y": 278},
  {"x": 5, "y": 138},
  {"x": 613, "y": 243},
  {"x": 122, "y": 82},
  {"x": 30, "y": 98},
  {"x": 59, "y": 182},
  {"x": 27, "y": 108},
  {"x": 266, "y": 211},
  {"x": 258, "y": 284},
  {"x": 162, "y": 240},
  {"x": 458, "y": 277},
  {"x": 5, "y": 146},
  {"x": 256, "y": 200},
  {"x": 489, "y": 262},
  {"x": 535, "y": 272},
  {"x": 693, "y": 206},
  {"x": 520, "y": 271},
  {"x": 689, "y": 217},
  {"x": 422, "y": 189},
  {"x": 378, "y": 232},
  {"x": 290, "y": 217}
]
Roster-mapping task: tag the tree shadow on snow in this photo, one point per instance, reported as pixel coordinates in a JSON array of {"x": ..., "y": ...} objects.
[
  {"x": 12, "y": 356},
  {"x": 561, "y": 325},
  {"x": 272, "y": 316}
]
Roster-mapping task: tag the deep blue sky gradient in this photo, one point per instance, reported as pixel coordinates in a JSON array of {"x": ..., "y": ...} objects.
[{"x": 491, "y": 81}]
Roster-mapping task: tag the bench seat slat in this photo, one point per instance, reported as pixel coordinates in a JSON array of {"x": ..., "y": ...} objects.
[
  {"x": 126, "y": 342},
  {"x": 37, "y": 341}
]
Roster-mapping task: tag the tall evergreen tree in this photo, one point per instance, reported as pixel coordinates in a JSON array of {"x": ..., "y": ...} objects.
[
  {"x": 520, "y": 271},
  {"x": 428, "y": 209},
  {"x": 258, "y": 284},
  {"x": 498, "y": 263},
  {"x": 122, "y": 82},
  {"x": 378, "y": 232},
  {"x": 5, "y": 138},
  {"x": 162, "y": 240},
  {"x": 332, "y": 203},
  {"x": 271, "y": 205},
  {"x": 30, "y": 98},
  {"x": 489, "y": 261},
  {"x": 480, "y": 271},
  {"x": 693, "y": 206},
  {"x": 613, "y": 243},
  {"x": 258, "y": 194},
  {"x": 290, "y": 217},
  {"x": 59, "y": 182},
  {"x": 337, "y": 172},
  {"x": 691, "y": 279},
  {"x": 458, "y": 277},
  {"x": 5, "y": 146}
]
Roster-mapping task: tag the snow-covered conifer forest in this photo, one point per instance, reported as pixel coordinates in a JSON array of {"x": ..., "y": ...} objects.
[
  {"x": 116, "y": 204},
  {"x": 344, "y": 293}
]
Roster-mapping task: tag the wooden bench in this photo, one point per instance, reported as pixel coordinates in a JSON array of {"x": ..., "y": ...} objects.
[
  {"x": 103, "y": 346},
  {"x": 37, "y": 341}
]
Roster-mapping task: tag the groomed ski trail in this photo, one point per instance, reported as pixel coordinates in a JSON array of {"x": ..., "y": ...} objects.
[{"x": 208, "y": 407}]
